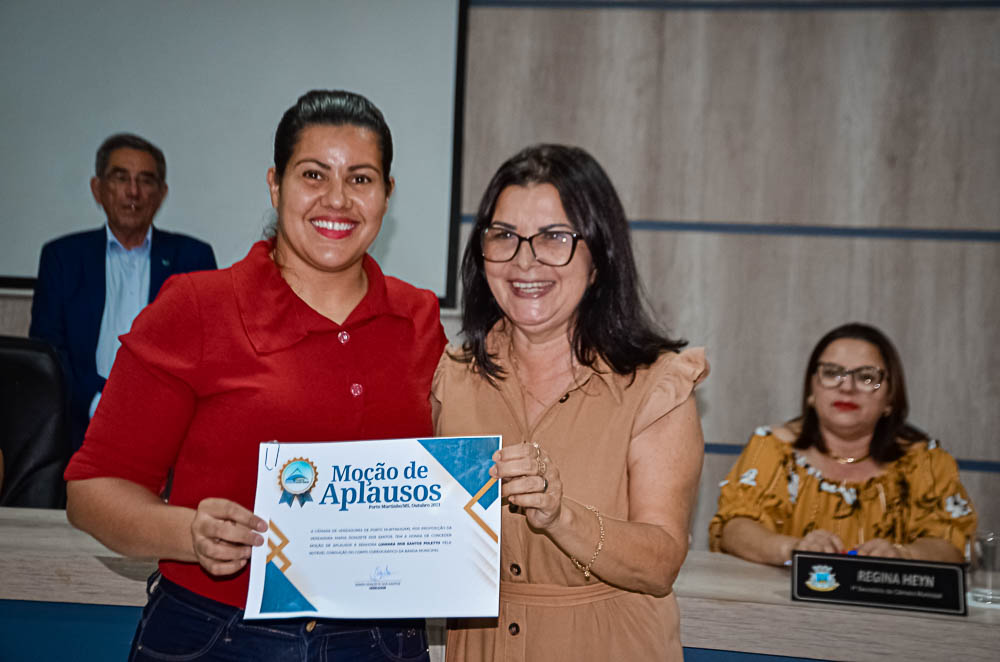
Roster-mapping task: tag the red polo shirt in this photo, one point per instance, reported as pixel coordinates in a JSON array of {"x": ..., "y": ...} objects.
[{"x": 224, "y": 360}]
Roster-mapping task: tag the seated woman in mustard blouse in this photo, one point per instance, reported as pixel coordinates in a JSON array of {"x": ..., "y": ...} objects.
[{"x": 850, "y": 473}]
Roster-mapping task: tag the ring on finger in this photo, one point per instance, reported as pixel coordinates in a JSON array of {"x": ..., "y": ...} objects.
[
  {"x": 538, "y": 450},
  {"x": 542, "y": 466},
  {"x": 545, "y": 484}
]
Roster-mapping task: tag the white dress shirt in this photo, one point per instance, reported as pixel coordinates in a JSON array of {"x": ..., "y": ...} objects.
[{"x": 126, "y": 287}]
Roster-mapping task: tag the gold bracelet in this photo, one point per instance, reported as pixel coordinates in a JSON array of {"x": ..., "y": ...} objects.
[{"x": 585, "y": 569}]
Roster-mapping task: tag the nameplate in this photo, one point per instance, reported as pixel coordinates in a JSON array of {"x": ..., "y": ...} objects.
[{"x": 877, "y": 582}]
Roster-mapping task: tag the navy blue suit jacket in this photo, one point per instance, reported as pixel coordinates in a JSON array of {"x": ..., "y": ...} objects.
[{"x": 69, "y": 302}]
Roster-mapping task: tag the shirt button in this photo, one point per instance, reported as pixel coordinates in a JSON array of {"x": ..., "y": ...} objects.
[
  {"x": 564, "y": 398},
  {"x": 343, "y": 337},
  {"x": 514, "y": 628},
  {"x": 310, "y": 626},
  {"x": 515, "y": 569},
  {"x": 357, "y": 390}
]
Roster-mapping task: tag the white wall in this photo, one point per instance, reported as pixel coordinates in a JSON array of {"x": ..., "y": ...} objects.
[{"x": 207, "y": 82}]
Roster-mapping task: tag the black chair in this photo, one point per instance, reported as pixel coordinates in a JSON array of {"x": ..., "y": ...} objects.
[{"x": 34, "y": 432}]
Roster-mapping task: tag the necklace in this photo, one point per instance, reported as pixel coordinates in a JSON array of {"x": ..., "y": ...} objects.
[
  {"x": 848, "y": 460},
  {"x": 524, "y": 384}
]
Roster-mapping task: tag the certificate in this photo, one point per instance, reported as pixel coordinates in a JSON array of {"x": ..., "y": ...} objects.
[{"x": 401, "y": 528}]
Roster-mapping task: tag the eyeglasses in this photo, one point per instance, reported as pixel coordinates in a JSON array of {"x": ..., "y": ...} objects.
[
  {"x": 867, "y": 378},
  {"x": 122, "y": 179},
  {"x": 553, "y": 248}
]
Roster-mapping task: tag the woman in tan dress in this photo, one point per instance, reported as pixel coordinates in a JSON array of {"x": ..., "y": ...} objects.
[{"x": 602, "y": 445}]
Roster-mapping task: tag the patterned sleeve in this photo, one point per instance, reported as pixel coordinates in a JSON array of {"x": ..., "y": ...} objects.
[
  {"x": 940, "y": 507},
  {"x": 756, "y": 487}
]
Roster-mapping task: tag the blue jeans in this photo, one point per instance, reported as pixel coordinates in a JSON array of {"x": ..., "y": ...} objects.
[{"x": 178, "y": 625}]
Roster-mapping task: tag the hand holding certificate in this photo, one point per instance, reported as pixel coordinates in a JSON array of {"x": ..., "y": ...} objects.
[{"x": 377, "y": 529}]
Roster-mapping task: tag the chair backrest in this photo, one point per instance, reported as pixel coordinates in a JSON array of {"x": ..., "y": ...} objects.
[{"x": 34, "y": 432}]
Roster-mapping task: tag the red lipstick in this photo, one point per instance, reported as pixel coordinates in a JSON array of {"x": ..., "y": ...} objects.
[{"x": 844, "y": 405}]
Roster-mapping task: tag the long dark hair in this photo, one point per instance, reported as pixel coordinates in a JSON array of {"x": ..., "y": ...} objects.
[
  {"x": 886, "y": 444},
  {"x": 335, "y": 108},
  {"x": 611, "y": 321}
]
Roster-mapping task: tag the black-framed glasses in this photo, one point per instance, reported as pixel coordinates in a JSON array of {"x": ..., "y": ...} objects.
[
  {"x": 866, "y": 378},
  {"x": 554, "y": 248}
]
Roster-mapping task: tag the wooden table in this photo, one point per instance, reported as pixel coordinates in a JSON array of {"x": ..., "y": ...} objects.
[
  {"x": 731, "y": 604},
  {"x": 725, "y": 603}
]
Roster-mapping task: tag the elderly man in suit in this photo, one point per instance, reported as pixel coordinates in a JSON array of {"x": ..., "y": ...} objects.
[{"x": 91, "y": 285}]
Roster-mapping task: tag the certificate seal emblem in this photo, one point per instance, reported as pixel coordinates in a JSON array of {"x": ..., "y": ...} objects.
[
  {"x": 296, "y": 480},
  {"x": 821, "y": 578}
]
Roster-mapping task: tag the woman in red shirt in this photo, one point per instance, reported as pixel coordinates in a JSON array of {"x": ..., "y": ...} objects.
[{"x": 303, "y": 340}]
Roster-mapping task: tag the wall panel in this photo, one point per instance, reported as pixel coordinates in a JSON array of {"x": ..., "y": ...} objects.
[
  {"x": 15, "y": 314},
  {"x": 882, "y": 118},
  {"x": 760, "y": 303},
  {"x": 874, "y": 119}
]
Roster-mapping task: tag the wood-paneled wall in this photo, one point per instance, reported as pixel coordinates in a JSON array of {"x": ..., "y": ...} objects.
[
  {"x": 854, "y": 119},
  {"x": 15, "y": 313},
  {"x": 860, "y": 118},
  {"x": 791, "y": 122}
]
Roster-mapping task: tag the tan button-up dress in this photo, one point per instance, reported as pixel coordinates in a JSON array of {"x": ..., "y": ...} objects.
[{"x": 548, "y": 610}]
